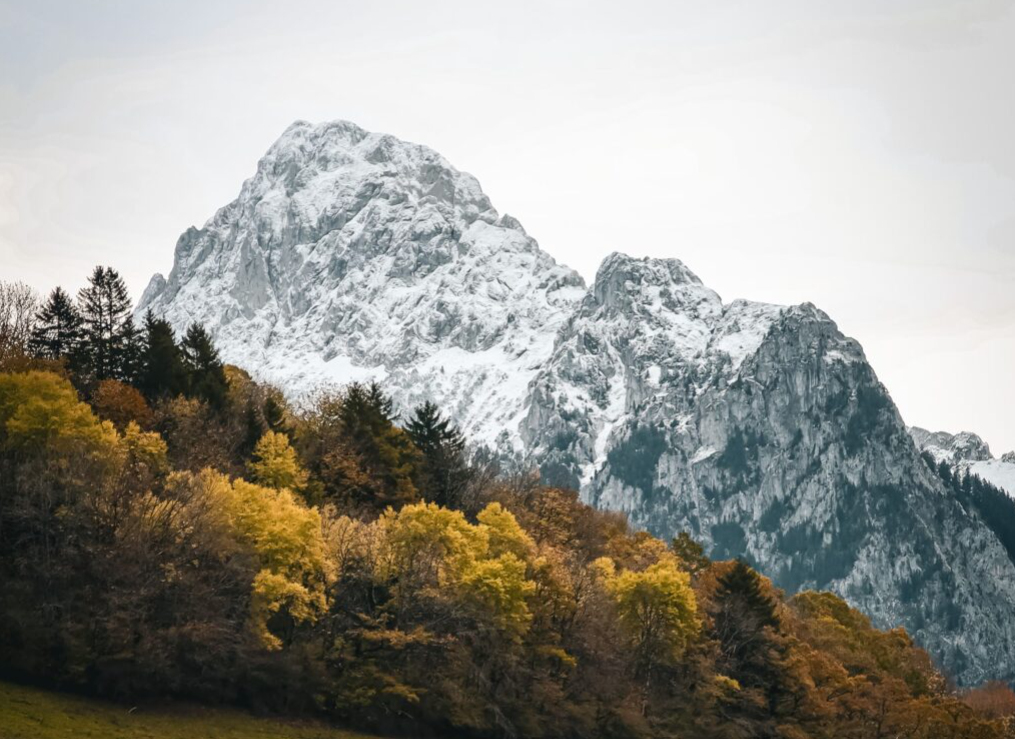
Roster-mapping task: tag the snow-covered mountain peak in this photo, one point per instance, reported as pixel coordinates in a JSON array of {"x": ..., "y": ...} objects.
[
  {"x": 760, "y": 429},
  {"x": 955, "y": 449},
  {"x": 351, "y": 255}
]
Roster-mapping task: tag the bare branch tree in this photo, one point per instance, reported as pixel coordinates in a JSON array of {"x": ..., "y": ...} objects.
[{"x": 18, "y": 306}]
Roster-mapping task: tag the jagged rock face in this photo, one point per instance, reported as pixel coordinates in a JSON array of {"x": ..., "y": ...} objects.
[
  {"x": 760, "y": 429},
  {"x": 356, "y": 256},
  {"x": 967, "y": 452},
  {"x": 764, "y": 432},
  {"x": 951, "y": 448}
]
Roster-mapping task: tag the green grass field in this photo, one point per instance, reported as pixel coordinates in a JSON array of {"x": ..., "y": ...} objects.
[{"x": 30, "y": 713}]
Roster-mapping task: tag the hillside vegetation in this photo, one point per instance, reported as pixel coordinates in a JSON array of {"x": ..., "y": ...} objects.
[{"x": 171, "y": 529}]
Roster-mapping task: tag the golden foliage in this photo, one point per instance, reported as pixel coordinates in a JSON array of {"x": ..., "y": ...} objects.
[
  {"x": 276, "y": 464},
  {"x": 41, "y": 411},
  {"x": 287, "y": 538},
  {"x": 656, "y": 608},
  {"x": 426, "y": 546}
]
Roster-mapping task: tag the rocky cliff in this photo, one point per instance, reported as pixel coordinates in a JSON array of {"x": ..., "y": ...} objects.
[
  {"x": 760, "y": 429},
  {"x": 967, "y": 452}
]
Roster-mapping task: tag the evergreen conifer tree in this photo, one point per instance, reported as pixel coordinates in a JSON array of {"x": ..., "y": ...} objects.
[
  {"x": 207, "y": 373},
  {"x": 105, "y": 310},
  {"x": 368, "y": 461},
  {"x": 752, "y": 648},
  {"x": 163, "y": 373},
  {"x": 741, "y": 594},
  {"x": 274, "y": 412},
  {"x": 132, "y": 353},
  {"x": 57, "y": 331},
  {"x": 443, "y": 473}
]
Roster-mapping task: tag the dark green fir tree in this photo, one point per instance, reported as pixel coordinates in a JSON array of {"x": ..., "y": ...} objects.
[
  {"x": 207, "y": 377},
  {"x": 108, "y": 329},
  {"x": 443, "y": 474},
  {"x": 163, "y": 373},
  {"x": 58, "y": 328}
]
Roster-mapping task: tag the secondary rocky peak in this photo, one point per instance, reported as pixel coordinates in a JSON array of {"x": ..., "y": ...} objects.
[
  {"x": 623, "y": 282},
  {"x": 967, "y": 453},
  {"x": 955, "y": 449}
]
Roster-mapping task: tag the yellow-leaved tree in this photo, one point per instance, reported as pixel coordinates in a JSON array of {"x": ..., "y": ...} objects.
[
  {"x": 656, "y": 608},
  {"x": 41, "y": 411},
  {"x": 428, "y": 548},
  {"x": 276, "y": 464},
  {"x": 286, "y": 537}
]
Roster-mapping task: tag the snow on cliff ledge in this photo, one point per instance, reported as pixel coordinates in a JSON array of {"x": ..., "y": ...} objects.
[{"x": 354, "y": 256}]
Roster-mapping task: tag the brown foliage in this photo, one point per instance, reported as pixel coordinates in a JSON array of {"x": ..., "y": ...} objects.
[
  {"x": 125, "y": 577},
  {"x": 121, "y": 403},
  {"x": 991, "y": 700}
]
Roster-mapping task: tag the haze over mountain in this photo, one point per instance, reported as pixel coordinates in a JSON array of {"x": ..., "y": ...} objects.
[{"x": 760, "y": 429}]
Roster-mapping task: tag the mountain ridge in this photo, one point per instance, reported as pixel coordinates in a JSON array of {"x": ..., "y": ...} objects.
[
  {"x": 762, "y": 430},
  {"x": 967, "y": 452}
]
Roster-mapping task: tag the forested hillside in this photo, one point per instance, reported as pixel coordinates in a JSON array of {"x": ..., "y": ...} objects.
[{"x": 168, "y": 527}]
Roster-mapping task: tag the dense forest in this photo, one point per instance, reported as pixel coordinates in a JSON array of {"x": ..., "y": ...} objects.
[{"x": 169, "y": 527}]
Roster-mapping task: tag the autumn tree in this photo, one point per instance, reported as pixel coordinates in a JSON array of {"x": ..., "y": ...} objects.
[
  {"x": 275, "y": 464},
  {"x": 993, "y": 699},
  {"x": 121, "y": 403},
  {"x": 41, "y": 411},
  {"x": 18, "y": 303},
  {"x": 656, "y": 608},
  {"x": 286, "y": 539}
]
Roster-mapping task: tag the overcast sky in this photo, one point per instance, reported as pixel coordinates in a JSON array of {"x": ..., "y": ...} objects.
[{"x": 859, "y": 155}]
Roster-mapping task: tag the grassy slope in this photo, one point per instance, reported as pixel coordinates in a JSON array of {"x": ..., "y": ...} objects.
[{"x": 29, "y": 713}]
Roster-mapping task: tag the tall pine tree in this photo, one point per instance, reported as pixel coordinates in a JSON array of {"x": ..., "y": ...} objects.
[
  {"x": 443, "y": 474},
  {"x": 105, "y": 309},
  {"x": 57, "y": 331},
  {"x": 163, "y": 373},
  {"x": 752, "y": 649},
  {"x": 131, "y": 353},
  {"x": 207, "y": 373}
]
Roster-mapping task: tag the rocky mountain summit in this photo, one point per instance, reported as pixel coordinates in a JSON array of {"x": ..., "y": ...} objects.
[
  {"x": 955, "y": 449},
  {"x": 760, "y": 429},
  {"x": 967, "y": 452},
  {"x": 355, "y": 256}
]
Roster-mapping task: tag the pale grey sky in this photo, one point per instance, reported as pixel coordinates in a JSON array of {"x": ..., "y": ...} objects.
[{"x": 859, "y": 155}]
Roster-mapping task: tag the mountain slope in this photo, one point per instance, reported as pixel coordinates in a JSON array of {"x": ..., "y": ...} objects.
[
  {"x": 764, "y": 432},
  {"x": 760, "y": 429}
]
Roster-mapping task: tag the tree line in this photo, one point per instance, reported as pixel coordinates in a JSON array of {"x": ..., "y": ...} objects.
[
  {"x": 158, "y": 538},
  {"x": 97, "y": 340}
]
